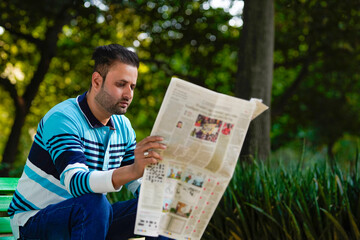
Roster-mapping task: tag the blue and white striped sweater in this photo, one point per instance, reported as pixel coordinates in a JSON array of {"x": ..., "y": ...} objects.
[{"x": 72, "y": 154}]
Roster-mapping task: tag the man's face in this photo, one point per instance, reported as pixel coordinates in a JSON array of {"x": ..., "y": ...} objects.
[{"x": 117, "y": 91}]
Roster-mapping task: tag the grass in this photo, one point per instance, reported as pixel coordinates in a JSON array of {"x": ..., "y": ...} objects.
[{"x": 289, "y": 202}]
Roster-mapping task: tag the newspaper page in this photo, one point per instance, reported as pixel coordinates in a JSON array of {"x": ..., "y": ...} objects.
[{"x": 204, "y": 132}]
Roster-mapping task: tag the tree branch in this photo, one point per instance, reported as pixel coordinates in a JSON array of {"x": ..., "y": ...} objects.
[
  {"x": 47, "y": 52},
  {"x": 293, "y": 63},
  {"x": 27, "y": 37},
  {"x": 10, "y": 88},
  {"x": 278, "y": 106}
]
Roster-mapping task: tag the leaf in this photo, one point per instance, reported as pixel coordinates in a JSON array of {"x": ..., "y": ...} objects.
[
  {"x": 269, "y": 217},
  {"x": 235, "y": 236},
  {"x": 337, "y": 225},
  {"x": 354, "y": 226},
  {"x": 307, "y": 231},
  {"x": 242, "y": 218},
  {"x": 295, "y": 223}
]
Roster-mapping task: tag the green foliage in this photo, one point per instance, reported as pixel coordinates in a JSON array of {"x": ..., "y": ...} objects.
[
  {"x": 280, "y": 201},
  {"x": 316, "y": 81},
  {"x": 178, "y": 38},
  {"x": 122, "y": 195}
]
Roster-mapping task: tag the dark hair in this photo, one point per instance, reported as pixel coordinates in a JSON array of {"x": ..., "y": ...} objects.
[{"x": 105, "y": 56}]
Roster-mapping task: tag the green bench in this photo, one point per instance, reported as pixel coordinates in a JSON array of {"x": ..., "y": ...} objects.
[{"x": 7, "y": 188}]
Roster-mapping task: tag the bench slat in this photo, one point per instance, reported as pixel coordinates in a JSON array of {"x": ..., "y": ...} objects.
[
  {"x": 7, "y": 188},
  {"x": 5, "y": 225},
  {"x": 4, "y": 203},
  {"x": 6, "y": 238},
  {"x": 8, "y": 185}
]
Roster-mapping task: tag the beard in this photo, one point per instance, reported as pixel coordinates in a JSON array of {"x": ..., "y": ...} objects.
[{"x": 110, "y": 104}]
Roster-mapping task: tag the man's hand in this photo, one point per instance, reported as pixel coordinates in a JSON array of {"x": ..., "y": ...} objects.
[{"x": 145, "y": 153}]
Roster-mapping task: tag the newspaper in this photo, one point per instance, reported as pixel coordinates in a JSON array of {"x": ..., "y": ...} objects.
[{"x": 204, "y": 132}]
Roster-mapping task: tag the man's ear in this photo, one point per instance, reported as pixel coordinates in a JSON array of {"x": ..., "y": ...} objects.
[{"x": 96, "y": 80}]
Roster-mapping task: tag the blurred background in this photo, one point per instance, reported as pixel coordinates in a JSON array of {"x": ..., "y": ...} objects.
[
  {"x": 300, "y": 56},
  {"x": 308, "y": 52}
]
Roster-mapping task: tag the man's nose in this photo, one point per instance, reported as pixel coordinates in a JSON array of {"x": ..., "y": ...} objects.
[{"x": 128, "y": 93}]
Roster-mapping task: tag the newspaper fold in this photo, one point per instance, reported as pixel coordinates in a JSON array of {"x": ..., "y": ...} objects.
[{"x": 204, "y": 132}]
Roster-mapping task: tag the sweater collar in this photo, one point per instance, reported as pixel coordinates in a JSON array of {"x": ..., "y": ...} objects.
[{"x": 92, "y": 120}]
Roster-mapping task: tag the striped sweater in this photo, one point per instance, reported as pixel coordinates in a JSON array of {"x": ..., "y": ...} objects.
[{"x": 72, "y": 154}]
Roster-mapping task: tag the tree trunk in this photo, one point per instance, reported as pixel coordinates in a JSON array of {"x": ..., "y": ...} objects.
[
  {"x": 255, "y": 72},
  {"x": 11, "y": 147},
  {"x": 13, "y": 141}
]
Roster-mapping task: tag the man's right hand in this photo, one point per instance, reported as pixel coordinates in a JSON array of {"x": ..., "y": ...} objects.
[{"x": 145, "y": 153}]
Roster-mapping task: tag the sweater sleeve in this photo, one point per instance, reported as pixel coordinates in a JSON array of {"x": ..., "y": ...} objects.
[
  {"x": 79, "y": 182},
  {"x": 61, "y": 137}
]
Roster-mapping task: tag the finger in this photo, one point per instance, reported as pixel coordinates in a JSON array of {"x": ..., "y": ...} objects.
[
  {"x": 152, "y": 161},
  {"x": 154, "y": 145},
  {"x": 154, "y": 155},
  {"x": 141, "y": 150},
  {"x": 149, "y": 159},
  {"x": 150, "y": 139}
]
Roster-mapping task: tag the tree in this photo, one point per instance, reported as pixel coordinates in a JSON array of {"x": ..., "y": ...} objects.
[
  {"x": 47, "y": 49},
  {"x": 38, "y": 25},
  {"x": 255, "y": 71},
  {"x": 316, "y": 81},
  {"x": 172, "y": 38}
]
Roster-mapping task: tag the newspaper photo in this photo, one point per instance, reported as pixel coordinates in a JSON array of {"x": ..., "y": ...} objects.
[{"x": 204, "y": 132}]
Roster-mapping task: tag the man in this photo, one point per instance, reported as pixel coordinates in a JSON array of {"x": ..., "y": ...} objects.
[{"x": 85, "y": 147}]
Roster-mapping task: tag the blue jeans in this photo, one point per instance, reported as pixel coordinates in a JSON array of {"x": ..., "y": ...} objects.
[{"x": 88, "y": 217}]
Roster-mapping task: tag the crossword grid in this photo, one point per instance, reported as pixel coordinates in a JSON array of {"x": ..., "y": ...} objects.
[{"x": 156, "y": 173}]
